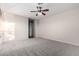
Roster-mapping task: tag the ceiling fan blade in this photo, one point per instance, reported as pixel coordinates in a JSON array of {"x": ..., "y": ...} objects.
[
  {"x": 43, "y": 13},
  {"x": 45, "y": 10},
  {"x": 33, "y": 11}
]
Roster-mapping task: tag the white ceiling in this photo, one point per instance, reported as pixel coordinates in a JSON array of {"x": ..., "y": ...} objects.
[{"x": 24, "y": 9}]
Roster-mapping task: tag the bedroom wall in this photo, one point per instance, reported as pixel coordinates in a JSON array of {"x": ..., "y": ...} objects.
[
  {"x": 21, "y": 25},
  {"x": 62, "y": 27},
  {"x": 36, "y": 27}
]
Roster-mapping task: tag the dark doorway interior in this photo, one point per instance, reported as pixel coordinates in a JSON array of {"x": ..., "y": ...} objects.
[{"x": 31, "y": 33}]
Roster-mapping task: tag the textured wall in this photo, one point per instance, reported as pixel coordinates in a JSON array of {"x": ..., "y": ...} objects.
[
  {"x": 61, "y": 27},
  {"x": 21, "y": 25}
]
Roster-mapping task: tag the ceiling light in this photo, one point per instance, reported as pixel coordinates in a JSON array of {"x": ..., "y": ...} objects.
[{"x": 39, "y": 13}]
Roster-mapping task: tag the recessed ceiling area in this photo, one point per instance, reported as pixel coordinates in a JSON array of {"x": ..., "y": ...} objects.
[{"x": 23, "y": 9}]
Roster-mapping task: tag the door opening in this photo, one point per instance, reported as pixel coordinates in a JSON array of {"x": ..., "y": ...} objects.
[{"x": 31, "y": 33}]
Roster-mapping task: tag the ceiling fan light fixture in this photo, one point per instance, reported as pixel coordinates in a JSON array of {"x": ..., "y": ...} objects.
[{"x": 39, "y": 13}]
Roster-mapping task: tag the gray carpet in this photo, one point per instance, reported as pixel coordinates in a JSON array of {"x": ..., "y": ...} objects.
[{"x": 37, "y": 47}]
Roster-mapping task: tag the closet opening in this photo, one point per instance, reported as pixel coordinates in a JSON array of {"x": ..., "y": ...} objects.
[{"x": 31, "y": 30}]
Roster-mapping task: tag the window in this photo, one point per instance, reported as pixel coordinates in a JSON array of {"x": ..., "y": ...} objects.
[{"x": 7, "y": 30}]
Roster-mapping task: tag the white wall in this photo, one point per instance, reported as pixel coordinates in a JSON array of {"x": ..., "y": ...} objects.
[
  {"x": 62, "y": 27},
  {"x": 36, "y": 28},
  {"x": 21, "y": 25}
]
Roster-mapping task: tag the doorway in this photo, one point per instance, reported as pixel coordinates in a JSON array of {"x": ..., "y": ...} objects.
[{"x": 31, "y": 29}]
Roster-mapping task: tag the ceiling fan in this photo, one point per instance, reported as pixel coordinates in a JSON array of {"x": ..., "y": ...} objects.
[{"x": 40, "y": 10}]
